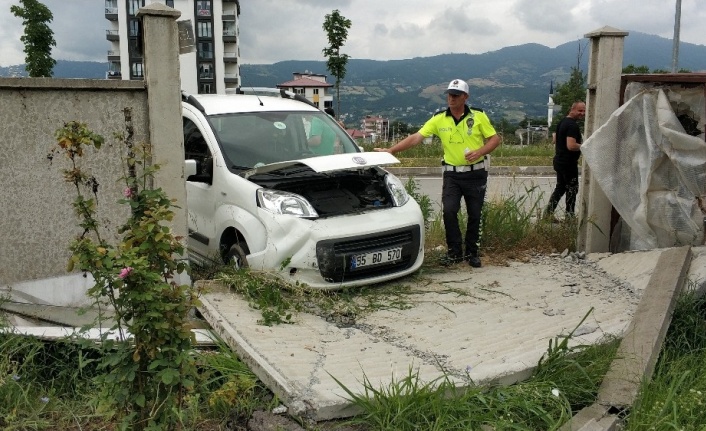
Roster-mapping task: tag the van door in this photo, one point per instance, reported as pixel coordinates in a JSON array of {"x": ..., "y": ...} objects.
[{"x": 201, "y": 199}]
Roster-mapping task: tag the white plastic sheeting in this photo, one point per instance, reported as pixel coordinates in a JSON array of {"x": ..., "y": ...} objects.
[{"x": 651, "y": 170}]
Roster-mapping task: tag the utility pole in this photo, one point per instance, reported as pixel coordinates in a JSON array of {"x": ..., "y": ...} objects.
[
  {"x": 529, "y": 131},
  {"x": 675, "y": 47}
]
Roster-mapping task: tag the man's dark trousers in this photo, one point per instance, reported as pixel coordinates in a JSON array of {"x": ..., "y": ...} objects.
[
  {"x": 470, "y": 186},
  {"x": 567, "y": 181}
]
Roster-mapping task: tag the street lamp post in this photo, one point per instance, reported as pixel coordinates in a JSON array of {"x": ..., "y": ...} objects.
[{"x": 675, "y": 47}]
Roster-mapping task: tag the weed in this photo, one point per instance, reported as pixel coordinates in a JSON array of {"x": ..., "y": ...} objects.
[
  {"x": 276, "y": 299},
  {"x": 565, "y": 380},
  {"x": 675, "y": 397},
  {"x": 505, "y": 155},
  {"x": 424, "y": 201},
  {"x": 230, "y": 388}
]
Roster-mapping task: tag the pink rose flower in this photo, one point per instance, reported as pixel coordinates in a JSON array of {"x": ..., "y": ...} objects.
[
  {"x": 127, "y": 192},
  {"x": 125, "y": 272}
]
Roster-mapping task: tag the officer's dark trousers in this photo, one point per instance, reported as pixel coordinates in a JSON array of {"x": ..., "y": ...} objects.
[
  {"x": 471, "y": 187},
  {"x": 567, "y": 182}
]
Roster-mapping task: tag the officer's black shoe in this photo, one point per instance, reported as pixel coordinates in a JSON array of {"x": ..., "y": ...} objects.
[
  {"x": 450, "y": 260},
  {"x": 474, "y": 261}
]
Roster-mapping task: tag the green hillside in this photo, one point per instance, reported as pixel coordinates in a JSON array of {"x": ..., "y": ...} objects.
[{"x": 509, "y": 83}]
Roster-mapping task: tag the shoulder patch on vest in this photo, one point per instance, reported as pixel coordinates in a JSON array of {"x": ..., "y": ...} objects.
[{"x": 443, "y": 111}]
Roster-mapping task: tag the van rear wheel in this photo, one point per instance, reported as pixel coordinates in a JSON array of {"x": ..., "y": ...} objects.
[{"x": 236, "y": 256}]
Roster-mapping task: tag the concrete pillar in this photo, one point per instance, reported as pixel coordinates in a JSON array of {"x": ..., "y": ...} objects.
[
  {"x": 161, "y": 61},
  {"x": 605, "y": 67}
]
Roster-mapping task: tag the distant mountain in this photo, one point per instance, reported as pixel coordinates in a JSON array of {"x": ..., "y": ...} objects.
[
  {"x": 511, "y": 83},
  {"x": 64, "y": 69}
]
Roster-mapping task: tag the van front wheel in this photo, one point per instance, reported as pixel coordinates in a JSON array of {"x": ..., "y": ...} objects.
[{"x": 236, "y": 256}]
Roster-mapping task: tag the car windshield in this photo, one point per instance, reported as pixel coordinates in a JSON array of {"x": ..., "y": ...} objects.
[{"x": 254, "y": 139}]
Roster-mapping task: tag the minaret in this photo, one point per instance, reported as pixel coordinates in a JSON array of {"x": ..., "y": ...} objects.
[{"x": 550, "y": 104}]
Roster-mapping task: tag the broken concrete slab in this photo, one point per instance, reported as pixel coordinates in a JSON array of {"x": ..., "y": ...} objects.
[
  {"x": 56, "y": 315},
  {"x": 589, "y": 419},
  {"x": 633, "y": 267},
  {"x": 68, "y": 290},
  {"x": 642, "y": 342},
  {"x": 484, "y": 325},
  {"x": 696, "y": 279},
  {"x": 204, "y": 337}
]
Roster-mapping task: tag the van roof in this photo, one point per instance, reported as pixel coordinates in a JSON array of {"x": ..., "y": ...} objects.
[{"x": 216, "y": 104}]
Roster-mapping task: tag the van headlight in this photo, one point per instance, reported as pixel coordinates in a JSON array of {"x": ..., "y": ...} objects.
[
  {"x": 285, "y": 203},
  {"x": 397, "y": 190}
]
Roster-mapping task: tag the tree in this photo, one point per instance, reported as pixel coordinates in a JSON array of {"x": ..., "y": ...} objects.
[
  {"x": 400, "y": 129},
  {"x": 571, "y": 91},
  {"x": 336, "y": 27},
  {"x": 538, "y": 121},
  {"x": 631, "y": 68},
  {"x": 38, "y": 38}
]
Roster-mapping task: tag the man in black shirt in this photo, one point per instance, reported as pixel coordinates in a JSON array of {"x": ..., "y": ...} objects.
[{"x": 568, "y": 149}]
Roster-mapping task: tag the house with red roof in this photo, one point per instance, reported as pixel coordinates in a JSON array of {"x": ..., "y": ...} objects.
[{"x": 313, "y": 86}]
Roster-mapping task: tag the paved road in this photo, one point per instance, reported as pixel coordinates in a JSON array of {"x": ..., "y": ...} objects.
[{"x": 530, "y": 189}]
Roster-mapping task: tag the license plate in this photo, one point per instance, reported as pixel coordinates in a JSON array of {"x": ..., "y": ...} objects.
[{"x": 376, "y": 257}]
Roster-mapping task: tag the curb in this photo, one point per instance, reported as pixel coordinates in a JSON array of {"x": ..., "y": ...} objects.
[{"x": 493, "y": 170}]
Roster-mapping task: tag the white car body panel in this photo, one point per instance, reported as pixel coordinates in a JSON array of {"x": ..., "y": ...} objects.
[
  {"x": 284, "y": 244},
  {"x": 334, "y": 162}
]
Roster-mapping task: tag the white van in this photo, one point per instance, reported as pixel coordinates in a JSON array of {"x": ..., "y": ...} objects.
[{"x": 275, "y": 184}]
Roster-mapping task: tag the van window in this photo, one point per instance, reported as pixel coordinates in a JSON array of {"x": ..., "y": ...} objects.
[
  {"x": 260, "y": 138},
  {"x": 195, "y": 148}
]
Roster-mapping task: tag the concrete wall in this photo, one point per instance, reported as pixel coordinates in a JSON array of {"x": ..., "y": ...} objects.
[{"x": 38, "y": 222}]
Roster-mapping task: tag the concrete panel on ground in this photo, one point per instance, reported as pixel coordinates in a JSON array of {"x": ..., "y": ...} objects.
[
  {"x": 482, "y": 325},
  {"x": 640, "y": 347}
]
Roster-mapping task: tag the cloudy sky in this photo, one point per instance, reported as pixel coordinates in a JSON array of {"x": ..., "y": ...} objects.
[{"x": 276, "y": 30}]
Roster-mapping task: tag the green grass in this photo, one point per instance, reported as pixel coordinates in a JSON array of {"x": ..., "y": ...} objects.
[
  {"x": 511, "y": 228},
  {"x": 565, "y": 380},
  {"x": 424, "y": 155},
  {"x": 675, "y": 397},
  {"x": 50, "y": 385}
]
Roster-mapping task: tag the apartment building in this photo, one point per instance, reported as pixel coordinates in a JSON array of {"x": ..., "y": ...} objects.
[
  {"x": 313, "y": 86},
  {"x": 213, "y": 67},
  {"x": 378, "y": 127}
]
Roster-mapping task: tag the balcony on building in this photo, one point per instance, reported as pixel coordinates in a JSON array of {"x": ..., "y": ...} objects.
[
  {"x": 111, "y": 13},
  {"x": 229, "y": 33},
  {"x": 237, "y": 4},
  {"x": 111, "y": 10},
  {"x": 231, "y": 78},
  {"x": 112, "y": 35},
  {"x": 113, "y": 71},
  {"x": 113, "y": 55},
  {"x": 230, "y": 56}
]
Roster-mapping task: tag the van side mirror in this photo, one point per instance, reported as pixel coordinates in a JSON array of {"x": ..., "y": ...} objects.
[
  {"x": 199, "y": 172},
  {"x": 189, "y": 169}
]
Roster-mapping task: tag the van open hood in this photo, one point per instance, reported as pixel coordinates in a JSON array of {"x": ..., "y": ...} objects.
[{"x": 335, "y": 162}]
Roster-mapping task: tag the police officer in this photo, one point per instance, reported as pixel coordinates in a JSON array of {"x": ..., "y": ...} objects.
[{"x": 467, "y": 137}]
